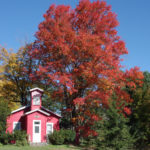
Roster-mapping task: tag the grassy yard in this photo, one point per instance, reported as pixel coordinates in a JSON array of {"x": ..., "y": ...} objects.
[{"x": 48, "y": 147}]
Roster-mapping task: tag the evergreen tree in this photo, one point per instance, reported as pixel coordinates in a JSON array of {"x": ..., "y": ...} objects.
[
  {"x": 4, "y": 112},
  {"x": 140, "y": 117},
  {"x": 113, "y": 130}
]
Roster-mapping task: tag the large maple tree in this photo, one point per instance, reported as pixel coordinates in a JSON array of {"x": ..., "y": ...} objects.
[{"x": 78, "y": 51}]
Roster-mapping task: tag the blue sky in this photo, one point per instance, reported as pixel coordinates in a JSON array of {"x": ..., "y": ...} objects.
[{"x": 20, "y": 19}]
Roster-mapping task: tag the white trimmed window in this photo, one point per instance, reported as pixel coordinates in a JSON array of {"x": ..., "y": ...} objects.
[
  {"x": 36, "y": 100},
  {"x": 16, "y": 126},
  {"x": 49, "y": 128}
]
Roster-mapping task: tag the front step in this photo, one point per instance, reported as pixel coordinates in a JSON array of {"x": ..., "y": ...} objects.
[{"x": 38, "y": 144}]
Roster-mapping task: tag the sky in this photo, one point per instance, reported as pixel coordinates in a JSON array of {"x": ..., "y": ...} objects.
[{"x": 19, "y": 20}]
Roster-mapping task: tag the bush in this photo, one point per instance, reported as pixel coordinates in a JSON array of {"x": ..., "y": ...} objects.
[
  {"x": 69, "y": 136},
  {"x": 21, "y": 142},
  {"x": 20, "y": 137},
  {"x": 62, "y": 136},
  {"x": 5, "y": 138},
  {"x": 57, "y": 137}
]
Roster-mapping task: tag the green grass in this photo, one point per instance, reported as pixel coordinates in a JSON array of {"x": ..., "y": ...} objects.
[{"x": 48, "y": 147}]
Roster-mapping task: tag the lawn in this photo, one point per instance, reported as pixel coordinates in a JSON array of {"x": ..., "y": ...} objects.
[{"x": 48, "y": 147}]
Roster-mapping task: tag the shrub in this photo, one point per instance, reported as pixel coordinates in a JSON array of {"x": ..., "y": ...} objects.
[
  {"x": 21, "y": 142},
  {"x": 62, "y": 136},
  {"x": 57, "y": 137},
  {"x": 20, "y": 137},
  {"x": 69, "y": 136},
  {"x": 5, "y": 138}
]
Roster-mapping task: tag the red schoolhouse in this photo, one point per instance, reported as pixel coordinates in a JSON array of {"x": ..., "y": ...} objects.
[{"x": 36, "y": 120}]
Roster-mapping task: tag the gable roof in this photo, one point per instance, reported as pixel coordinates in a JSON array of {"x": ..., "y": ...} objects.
[
  {"x": 51, "y": 112},
  {"x": 44, "y": 111},
  {"x": 32, "y": 111},
  {"x": 34, "y": 89},
  {"x": 21, "y": 108}
]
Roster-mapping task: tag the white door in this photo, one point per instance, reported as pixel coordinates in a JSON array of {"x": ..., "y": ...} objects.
[{"x": 36, "y": 131}]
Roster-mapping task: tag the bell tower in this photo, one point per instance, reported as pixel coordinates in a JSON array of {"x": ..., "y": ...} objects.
[{"x": 36, "y": 98}]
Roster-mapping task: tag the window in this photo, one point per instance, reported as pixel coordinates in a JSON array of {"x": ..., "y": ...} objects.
[
  {"x": 16, "y": 126},
  {"x": 36, "y": 100},
  {"x": 37, "y": 129},
  {"x": 36, "y": 122},
  {"x": 49, "y": 128}
]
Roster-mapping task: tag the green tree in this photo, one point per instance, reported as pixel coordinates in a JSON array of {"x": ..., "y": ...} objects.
[
  {"x": 112, "y": 131},
  {"x": 140, "y": 117},
  {"x": 4, "y": 112},
  {"x": 15, "y": 80},
  {"x": 14, "y": 75}
]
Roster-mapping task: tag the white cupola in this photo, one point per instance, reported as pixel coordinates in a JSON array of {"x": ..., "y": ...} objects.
[{"x": 36, "y": 98}]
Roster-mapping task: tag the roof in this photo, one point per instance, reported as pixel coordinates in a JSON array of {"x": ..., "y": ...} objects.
[
  {"x": 34, "y": 89},
  {"x": 21, "y": 108},
  {"x": 32, "y": 111},
  {"x": 42, "y": 111},
  {"x": 51, "y": 112}
]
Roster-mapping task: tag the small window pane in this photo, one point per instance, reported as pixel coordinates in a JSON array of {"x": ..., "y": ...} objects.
[
  {"x": 36, "y": 122},
  {"x": 17, "y": 126},
  {"x": 36, "y": 129},
  {"x": 36, "y": 100},
  {"x": 49, "y": 128}
]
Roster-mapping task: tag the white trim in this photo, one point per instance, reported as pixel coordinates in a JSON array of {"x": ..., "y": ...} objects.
[
  {"x": 52, "y": 127},
  {"x": 15, "y": 122},
  {"x": 37, "y": 110},
  {"x": 51, "y": 112},
  {"x": 19, "y": 109},
  {"x": 36, "y": 89},
  {"x": 34, "y": 130}
]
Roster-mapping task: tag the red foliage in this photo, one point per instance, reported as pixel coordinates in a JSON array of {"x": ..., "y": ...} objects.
[
  {"x": 127, "y": 110},
  {"x": 78, "y": 51}
]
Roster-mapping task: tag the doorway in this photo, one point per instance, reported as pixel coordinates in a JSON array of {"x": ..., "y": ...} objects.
[{"x": 36, "y": 131}]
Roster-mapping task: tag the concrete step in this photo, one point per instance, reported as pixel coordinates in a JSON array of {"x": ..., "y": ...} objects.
[{"x": 38, "y": 144}]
